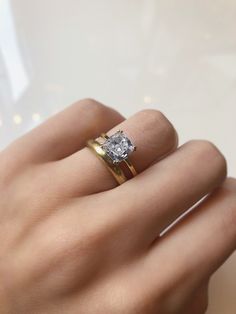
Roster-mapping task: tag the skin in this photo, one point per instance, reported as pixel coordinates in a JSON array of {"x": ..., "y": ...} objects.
[{"x": 72, "y": 241}]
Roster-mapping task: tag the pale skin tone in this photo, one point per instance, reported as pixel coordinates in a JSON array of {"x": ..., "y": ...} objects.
[{"x": 72, "y": 241}]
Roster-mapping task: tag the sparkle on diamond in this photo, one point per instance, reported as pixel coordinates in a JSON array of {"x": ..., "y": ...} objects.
[{"x": 118, "y": 147}]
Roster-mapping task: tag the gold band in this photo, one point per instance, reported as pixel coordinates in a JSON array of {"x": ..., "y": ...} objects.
[
  {"x": 131, "y": 167},
  {"x": 115, "y": 170}
]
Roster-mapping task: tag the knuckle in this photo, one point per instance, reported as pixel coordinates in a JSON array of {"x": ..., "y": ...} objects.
[
  {"x": 205, "y": 147},
  {"x": 89, "y": 102},
  {"x": 97, "y": 113},
  {"x": 92, "y": 107},
  {"x": 154, "y": 118},
  {"x": 208, "y": 152}
]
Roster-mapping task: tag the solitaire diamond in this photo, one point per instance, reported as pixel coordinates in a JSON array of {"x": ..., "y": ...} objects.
[{"x": 118, "y": 147}]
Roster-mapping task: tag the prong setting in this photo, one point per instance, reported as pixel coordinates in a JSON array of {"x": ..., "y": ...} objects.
[{"x": 118, "y": 147}]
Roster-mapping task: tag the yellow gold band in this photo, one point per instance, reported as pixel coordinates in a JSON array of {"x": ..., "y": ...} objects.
[
  {"x": 130, "y": 166},
  {"x": 115, "y": 170}
]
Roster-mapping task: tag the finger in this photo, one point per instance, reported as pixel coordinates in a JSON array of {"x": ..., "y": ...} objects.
[
  {"x": 153, "y": 200},
  {"x": 196, "y": 247},
  {"x": 149, "y": 130},
  {"x": 66, "y": 132}
]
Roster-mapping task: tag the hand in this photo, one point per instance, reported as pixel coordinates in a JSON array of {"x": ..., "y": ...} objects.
[{"x": 73, "y": 242}]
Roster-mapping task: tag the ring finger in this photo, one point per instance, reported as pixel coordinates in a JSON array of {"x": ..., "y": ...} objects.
[{"x": 149, "y": 130}]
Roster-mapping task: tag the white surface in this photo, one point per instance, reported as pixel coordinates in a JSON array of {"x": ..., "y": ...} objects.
[{"x": 178, "y": 56}]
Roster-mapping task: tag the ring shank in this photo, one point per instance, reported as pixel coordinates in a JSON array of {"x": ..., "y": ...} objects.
[{"x": 115, "y": 170}]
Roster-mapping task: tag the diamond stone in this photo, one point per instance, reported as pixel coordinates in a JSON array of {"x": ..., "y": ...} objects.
[{"x": 118, "y": 147}]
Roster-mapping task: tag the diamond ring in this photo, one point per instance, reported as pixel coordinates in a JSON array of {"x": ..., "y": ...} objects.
[{"x": 114, "y": 150}]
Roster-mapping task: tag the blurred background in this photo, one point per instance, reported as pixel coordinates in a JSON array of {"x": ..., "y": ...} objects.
[{"x": 178, "y": 56}]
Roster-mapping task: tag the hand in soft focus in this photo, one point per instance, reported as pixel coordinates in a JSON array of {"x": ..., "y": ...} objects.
[{"x": 73, "y": 242}]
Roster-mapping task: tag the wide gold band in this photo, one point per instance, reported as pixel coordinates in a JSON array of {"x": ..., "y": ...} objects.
[{"x": 115, "y": 169}]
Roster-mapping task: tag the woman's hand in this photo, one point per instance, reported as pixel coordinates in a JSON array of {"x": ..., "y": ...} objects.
[{"x": 73, "y": 242}]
